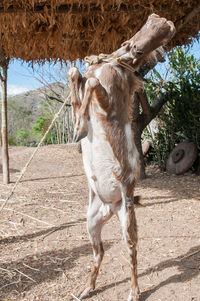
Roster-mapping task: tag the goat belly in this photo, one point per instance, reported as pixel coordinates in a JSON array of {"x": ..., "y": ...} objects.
[
  {"x": 103, "y": 181},
  {"x": 99, "y": 164},
  {"x": 107, "y": 186}
]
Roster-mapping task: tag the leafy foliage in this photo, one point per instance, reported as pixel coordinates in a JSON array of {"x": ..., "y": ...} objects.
[
  {"x": 20, "y": 120},
  {"x": 41, "y": 126},
  {"x": 179, "y": 119},
  {"x": 22, "y": 137}
]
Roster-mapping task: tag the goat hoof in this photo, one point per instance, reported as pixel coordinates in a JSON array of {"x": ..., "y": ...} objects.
[
  {"x": 73, "y": 73},
  {"x": 85, "y": 293},
  {"x": 133, "y": 296}
]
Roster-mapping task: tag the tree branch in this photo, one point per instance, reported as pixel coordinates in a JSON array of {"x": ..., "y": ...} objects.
[
  {"x": 158, "y": 103},
  {"x": 145, "y": 119},
  {"x": 144, "y": 102},
  {"x": 57, "y": 99}
]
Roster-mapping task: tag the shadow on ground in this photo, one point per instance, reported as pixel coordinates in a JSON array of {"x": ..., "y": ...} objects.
[
  {"x": 176, "y": 185},
  {"x": 14, "y": 239},
  {"x": 11, "y": 170},
  {"x": 23, "y": 274},
  {"x": 187, "y": 265}
]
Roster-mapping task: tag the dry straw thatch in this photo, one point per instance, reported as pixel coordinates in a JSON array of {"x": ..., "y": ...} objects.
[{"x": 63, "y": 29}]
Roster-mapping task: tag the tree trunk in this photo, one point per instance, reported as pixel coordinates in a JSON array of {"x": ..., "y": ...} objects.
[
  {"x": 142, "y": 119},
  {"x": 4, "y": 126},
  {"x": 138, "y": 143},
  {"x": 136, "y": 126}
]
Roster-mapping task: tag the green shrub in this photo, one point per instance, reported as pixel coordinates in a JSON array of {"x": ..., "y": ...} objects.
[
  {"x": 11, "y": 141},
  {"x": 22, "y": 137},
  {"x": 179, "y": 120}
]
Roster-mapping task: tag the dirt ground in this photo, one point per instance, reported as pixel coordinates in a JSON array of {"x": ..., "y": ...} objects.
[{"x": 45, "y": 253}]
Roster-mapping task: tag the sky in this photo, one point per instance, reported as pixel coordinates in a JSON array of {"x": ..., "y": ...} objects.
[{"x": 22, "y": 77}]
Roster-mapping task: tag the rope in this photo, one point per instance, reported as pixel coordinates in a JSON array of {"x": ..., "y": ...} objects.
[
  {"x": 123, "y": 64},
  {"x": 35, "y": 151},
  {"x": 103, "y": 58}
]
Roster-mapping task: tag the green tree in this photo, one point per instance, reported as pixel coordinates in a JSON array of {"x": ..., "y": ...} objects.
[
  {"x": 22, "y": 137},
  {"x": 40, "y": 127},
  {"x": 19, "y": 118},
  {"x": 179, "y": 120}
]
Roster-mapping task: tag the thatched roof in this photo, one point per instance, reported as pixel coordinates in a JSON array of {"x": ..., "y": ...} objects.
[{"x": 67, "y": 29}]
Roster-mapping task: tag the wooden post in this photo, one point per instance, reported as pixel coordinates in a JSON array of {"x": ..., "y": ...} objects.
[{"x": 4, "y": 126}]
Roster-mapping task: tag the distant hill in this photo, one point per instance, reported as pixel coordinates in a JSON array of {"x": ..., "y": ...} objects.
[
  {"x": 33, "y": 100},
  {"x": 24, "y": 109}
]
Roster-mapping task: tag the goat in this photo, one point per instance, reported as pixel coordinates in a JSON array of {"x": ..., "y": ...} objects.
[
  {"x": 102, "y": 101},
  {"x": 110, "y": 157}
]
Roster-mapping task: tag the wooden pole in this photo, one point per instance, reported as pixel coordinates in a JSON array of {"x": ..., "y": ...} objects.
[{"x": 4, "y": 126}]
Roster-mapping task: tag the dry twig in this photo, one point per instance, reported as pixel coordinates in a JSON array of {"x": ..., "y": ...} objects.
[
  {"x": 31, "y": 217},
  {"x": 25, "y": 275},
  {"x": 75, "y": 297},
  {"x": 28, "y": 266},
  {"x": 8, "y": 284}
]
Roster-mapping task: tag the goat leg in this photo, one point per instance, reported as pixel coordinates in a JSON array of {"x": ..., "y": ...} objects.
[
  {"x": 93, "y": 85},
  {"x": 98, "y": 214},
  {"x": 126, "y": 215},
  {"x": 75, "y": 80}
]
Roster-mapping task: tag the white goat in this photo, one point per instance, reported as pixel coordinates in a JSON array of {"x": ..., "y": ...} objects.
[{"x": 102, "y": 102}]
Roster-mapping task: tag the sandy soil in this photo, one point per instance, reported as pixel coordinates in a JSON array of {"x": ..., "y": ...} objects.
[{"x": 45, "y": 253}]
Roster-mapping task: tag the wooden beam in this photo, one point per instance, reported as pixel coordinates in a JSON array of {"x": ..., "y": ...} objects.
[
  {"x": 73, "y": 9},
  {"x": 84, "y": 9}
]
